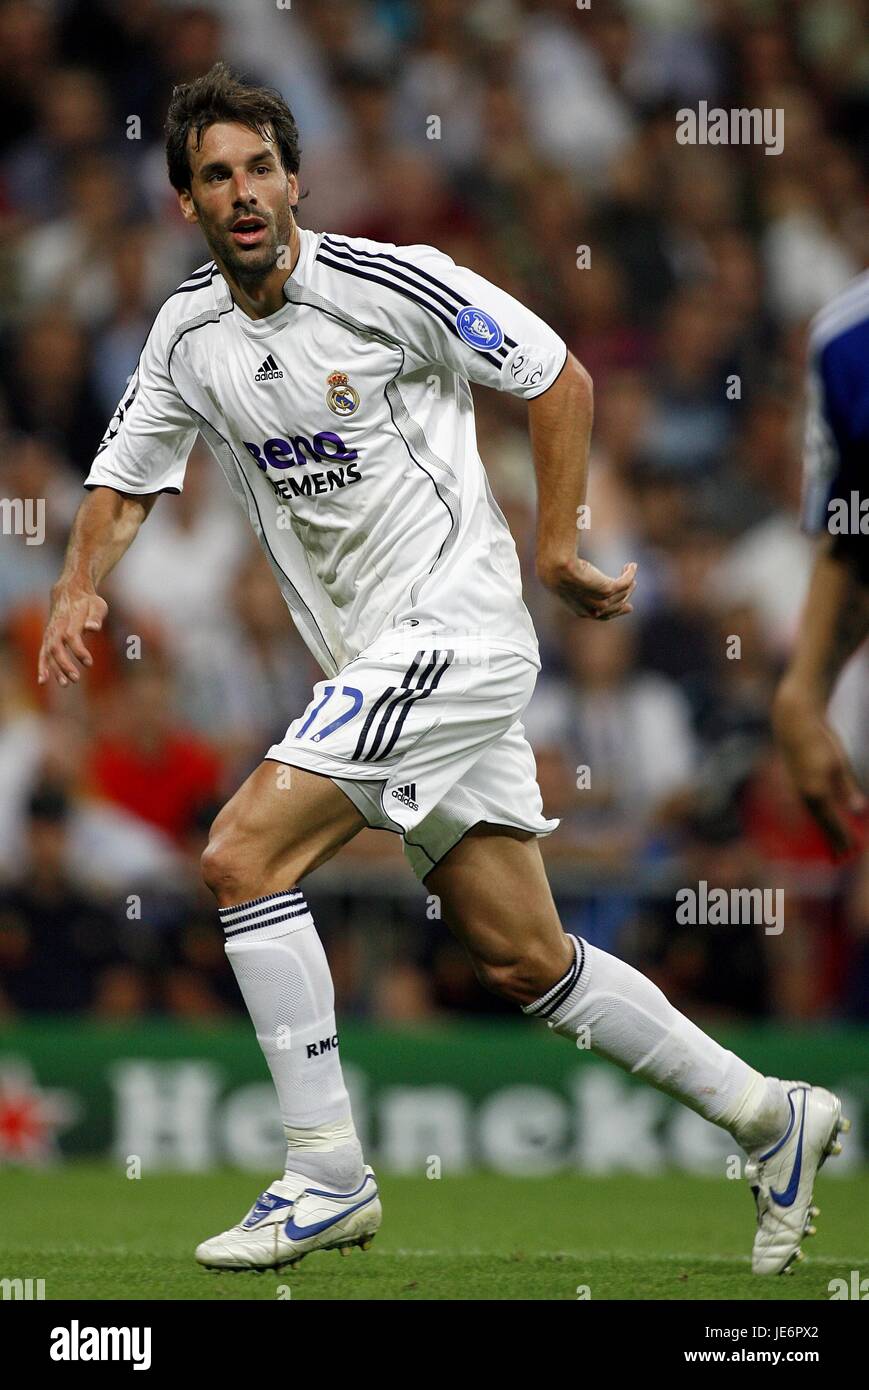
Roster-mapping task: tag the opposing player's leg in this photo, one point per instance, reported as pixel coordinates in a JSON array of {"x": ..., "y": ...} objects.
[
  {"x": 495, "y": 897},
  {"x": 280, "y": 825}
]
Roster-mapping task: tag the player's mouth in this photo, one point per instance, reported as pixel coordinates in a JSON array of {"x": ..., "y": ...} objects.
[{"x": 248, "y": 231}]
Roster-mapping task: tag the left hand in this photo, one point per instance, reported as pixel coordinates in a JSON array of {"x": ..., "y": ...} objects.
[
  {"x": 589, "y": 592},
  {"x": 818, "y": 765}
]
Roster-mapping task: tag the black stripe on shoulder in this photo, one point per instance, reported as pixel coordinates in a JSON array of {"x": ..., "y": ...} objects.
[
  {"x": 356, "y": 258},
  {"x": 191, "y": 287},
  {"x": 356, "y": 252},
  {"x": 201, "y": 271},
  {"x": 391, "y": 285}
]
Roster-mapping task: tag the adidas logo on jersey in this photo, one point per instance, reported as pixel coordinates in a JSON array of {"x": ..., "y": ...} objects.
[
  {"x": 406, "y": 795},
  {"x": 269, "y": 371}
]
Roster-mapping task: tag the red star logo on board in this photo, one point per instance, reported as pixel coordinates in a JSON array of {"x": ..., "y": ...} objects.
[{"x": 30, "y": 1116}]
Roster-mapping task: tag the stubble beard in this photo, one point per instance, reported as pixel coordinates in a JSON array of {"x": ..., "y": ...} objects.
[{"x": 251, "y": 268}]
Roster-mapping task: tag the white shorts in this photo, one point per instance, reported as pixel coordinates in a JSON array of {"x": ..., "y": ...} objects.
[{"x": 426, "y": 744}]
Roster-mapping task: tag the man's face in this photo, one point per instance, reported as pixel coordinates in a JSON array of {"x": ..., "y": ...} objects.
[{"x": 241, "y": 197}]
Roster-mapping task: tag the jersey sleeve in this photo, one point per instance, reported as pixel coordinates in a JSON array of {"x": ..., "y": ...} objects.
[
  {"x": 836, "y": 444},
  {"x": 819, "y": 454},
  {"x": 444, "y": 313},
  {"x": 150, "y": 436}
]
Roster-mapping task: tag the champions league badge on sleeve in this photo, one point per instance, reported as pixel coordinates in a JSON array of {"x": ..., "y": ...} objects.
[
  {"x": 479, "y": 329},
  {"x": 341, "y": 397}
]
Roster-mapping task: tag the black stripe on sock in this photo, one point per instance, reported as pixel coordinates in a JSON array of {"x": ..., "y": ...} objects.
[{"x": 563, "y": 988}]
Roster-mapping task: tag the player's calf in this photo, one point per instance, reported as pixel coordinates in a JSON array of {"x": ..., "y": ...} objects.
[{"x": 526, "y": 974}]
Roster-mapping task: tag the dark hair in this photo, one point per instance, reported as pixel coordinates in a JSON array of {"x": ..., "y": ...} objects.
[{"x": 221, "y": 96}]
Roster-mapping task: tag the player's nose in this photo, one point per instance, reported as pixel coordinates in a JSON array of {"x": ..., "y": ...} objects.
[{"x": 243, "y": 193}]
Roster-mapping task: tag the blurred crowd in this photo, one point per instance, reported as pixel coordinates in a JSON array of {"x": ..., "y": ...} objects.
[{"x": 512, "y": 134}]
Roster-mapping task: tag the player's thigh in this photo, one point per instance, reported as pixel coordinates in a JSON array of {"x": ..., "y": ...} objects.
[
  {"x": 495, "y": 898},
  {"x": 283, "y": 821}
]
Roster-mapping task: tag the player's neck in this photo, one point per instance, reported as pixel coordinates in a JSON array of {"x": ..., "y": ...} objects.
[{"x": 261, "y": 297}]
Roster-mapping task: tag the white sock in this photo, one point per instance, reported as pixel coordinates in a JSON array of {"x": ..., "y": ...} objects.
[
  {"x": 631, "y": 1023},
  {"x": 284, "y": 978}
]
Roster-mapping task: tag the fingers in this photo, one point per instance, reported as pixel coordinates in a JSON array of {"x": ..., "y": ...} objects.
[
  {"x": 827, "y": 816},
  {"x": 618, "y": 604},
  {"x": 63, "y": 648},
  {"x": 585, "y": 610},
  {"x": 603, "y": 588},
  {"x": 591, "y": 594},
  {"x": 850, "y": 791},
  {"x": 58, "y": 657},
  {"x": 604, "y": 598},
  {"x": 832, "y": 802},
  {"x": 613, "y": 607},
  {"x": 77, "y": 647},
  {"x": 61, "y": 663}
]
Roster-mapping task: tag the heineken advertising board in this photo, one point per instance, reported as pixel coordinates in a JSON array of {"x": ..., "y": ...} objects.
[{"x": 512, "y": 1098}]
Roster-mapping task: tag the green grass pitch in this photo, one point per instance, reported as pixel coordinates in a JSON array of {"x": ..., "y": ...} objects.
[{"x": 92, "y": 1233}]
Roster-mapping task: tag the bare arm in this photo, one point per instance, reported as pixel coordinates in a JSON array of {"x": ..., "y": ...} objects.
[
  {"x": 834, "y": 623},
  {"x": 105, "y": 526},
  {"x": 559, "y": 423}
]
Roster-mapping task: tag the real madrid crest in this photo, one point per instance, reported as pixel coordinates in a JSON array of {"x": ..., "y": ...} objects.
[{"x": 342, "y": 398}]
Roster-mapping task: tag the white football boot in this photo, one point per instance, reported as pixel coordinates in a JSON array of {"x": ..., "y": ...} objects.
[
  {"x": 290, "y": 1219},
  {"x": 782, "y": 1177}
]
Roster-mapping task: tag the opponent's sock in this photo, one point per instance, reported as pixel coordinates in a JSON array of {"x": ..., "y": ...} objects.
[
  {"x": 630, "y": 1022},
  {"x": 284, "y": 978}
]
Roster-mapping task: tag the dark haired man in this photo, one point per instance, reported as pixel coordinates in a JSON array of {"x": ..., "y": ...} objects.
[{"x": 330, "y": 376}]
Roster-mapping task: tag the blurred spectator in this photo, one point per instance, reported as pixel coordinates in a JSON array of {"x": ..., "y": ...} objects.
[
  {"x": 55, "y": 940},
  {"x": 74, "y": 122},
  {"x": 95, "y": 260},
  {"x": 628, "y": 731},
  {"x": 44, "y": 373},
  {"x": 148, "y": 763},
  {"x": 578, "y": 115},
  {"x": 26, "y": 54},
  {"x": 691, "y": 418}
]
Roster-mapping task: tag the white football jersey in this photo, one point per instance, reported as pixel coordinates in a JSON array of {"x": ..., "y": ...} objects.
[{"x": 345, "y": 427}]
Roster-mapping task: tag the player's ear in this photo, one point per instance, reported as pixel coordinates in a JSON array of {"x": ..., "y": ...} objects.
[{"x": 185, "y": 202}]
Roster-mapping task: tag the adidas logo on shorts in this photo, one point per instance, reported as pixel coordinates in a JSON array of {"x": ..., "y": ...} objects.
[
  {"x": 406, "y": 795},
  {"x": 269, "y": 371}
]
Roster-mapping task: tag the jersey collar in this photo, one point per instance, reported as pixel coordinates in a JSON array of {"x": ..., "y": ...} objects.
[{"x": 307, "y": 248}]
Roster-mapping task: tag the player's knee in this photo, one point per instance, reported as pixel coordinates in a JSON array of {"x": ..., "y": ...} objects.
[{"x": 230, "y": 867}]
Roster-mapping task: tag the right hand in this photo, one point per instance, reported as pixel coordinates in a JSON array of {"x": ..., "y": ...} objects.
[
  {"x": 73, "y": 612},
  {"x": 819, "y": 767},
  {"x": 588, "y": 592}
]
